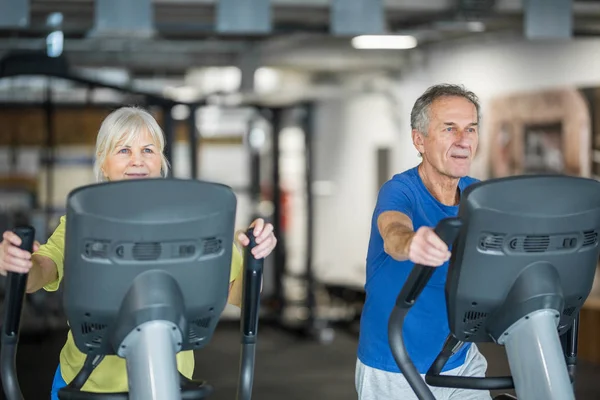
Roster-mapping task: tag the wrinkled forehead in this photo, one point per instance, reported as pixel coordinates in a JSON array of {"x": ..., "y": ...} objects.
[{"x": 454, "y": 109}]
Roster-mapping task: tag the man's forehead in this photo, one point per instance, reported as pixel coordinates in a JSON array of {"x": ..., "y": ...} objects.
[{"x": 456, "y": 106}]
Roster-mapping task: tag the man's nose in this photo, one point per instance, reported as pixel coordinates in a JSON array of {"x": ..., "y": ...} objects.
[{"x": 463, "y": 138}]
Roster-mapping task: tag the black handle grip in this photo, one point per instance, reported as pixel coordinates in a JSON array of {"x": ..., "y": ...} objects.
[
  {"x": 16, "y": 286},
  {"x": 253, "y": 271},
  {"x": 447, "y": 229}
]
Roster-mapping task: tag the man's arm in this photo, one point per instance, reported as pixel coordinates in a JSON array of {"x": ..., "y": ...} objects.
[
  {"x": 396, "y": 229},
  {"x": 42, "y": 272},
  {"x": 402, "y": 243}
]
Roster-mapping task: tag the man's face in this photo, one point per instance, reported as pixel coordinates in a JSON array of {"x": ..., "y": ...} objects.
[{"x": 452, "y": 139}]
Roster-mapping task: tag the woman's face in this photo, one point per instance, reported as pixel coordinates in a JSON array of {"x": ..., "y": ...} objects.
[{"x": 139, "y": 159}]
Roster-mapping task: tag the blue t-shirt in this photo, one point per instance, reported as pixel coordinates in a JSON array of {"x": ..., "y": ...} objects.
[{"x": 426, "y": 324}]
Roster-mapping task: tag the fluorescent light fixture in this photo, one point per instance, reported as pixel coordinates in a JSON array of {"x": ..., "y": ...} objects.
[{"x": 384, "y": 42}]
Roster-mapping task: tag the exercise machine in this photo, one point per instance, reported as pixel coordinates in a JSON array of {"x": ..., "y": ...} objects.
[
  {"x": 146, "y": 275},
  {"x": 524, "y": 257}
]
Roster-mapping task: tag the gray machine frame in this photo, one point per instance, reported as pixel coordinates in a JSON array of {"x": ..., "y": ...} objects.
[{"x": 514, "y": 244}]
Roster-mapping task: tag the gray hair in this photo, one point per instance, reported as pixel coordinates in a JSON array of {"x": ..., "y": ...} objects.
[
  {"x": 123, "y": 125},
  {"x": 419, "y": 116}
]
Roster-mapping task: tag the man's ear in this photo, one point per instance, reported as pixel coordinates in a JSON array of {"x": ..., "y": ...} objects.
[{"x": 418, "y": 141}]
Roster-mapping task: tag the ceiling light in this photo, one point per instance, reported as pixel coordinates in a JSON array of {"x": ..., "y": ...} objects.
[{"x": 384, "y": 42}]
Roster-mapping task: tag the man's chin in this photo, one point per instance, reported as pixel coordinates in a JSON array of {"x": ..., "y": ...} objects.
[{"x": 460, "y": 172}]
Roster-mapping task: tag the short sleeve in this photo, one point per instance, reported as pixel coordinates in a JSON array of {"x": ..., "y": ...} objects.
[
  {"x": 54, "y": 249},
  {"x": 236, "y": 264},
  {"x": 395, "y": 196}
]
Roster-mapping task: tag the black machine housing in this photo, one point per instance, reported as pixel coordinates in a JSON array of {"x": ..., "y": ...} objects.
[{"x": 552, "y": 230}]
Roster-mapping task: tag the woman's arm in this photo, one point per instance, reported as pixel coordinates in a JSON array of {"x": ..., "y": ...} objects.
[
  {"x": 42, "y": 272},
  {"x": 235, "y": 291}
]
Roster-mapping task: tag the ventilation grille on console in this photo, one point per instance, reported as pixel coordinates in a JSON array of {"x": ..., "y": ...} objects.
[
  {"x": 569, "y": 311},
  {"x": 197, "y": 329},
  {"x": 491, "y": 242},
  {"x": 473, "y": 321},
  {"x": 93, "y": 333},
  {"x": 146, "y": 251},
  {"x": 590, "y": 238},
  {"x": 101, "y": 249},
  {"x": 497, "y": 242},
  {"x": 531, "y": 244},
  {"x": 212, "y": 246}
]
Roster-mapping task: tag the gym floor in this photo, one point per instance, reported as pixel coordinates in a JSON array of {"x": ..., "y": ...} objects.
[{"x": 287, "y": 367}]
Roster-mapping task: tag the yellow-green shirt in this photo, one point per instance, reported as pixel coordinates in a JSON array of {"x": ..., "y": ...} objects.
[{"x": 111, "y": 374}]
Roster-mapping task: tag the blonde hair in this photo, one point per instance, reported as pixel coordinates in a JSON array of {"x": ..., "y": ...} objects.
[{"x": 123, "y": 125}]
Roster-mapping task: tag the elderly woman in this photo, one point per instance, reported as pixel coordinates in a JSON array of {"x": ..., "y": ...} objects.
[{"x": 130, "y": 145}]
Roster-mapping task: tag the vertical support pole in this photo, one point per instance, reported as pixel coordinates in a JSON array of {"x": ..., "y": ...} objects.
[
  {"x": 254, "y": 159},
  {"x": 280, "y": 259},
  {"x": 169, "y": 133},
  {"x": 572, "y": 339},
  {"x": 193, "y": 140},
  {"x": 49, "y": 154},
  {"x": 307, "y": 127}
]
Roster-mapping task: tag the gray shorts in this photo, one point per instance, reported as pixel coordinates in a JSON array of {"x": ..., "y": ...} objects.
[{"x": 375, "y": 384}]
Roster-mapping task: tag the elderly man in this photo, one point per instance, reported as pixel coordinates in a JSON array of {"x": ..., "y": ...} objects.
[{"x": 444, "y": 122}]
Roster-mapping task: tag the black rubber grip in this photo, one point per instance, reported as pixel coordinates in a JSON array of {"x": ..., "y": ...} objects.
[
  {"x": 16, "y": 286},
  {"x": 447, "y": 229},
  {"x": 253, "y": 270}
]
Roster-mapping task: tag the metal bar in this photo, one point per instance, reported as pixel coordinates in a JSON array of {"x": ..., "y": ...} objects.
[
  {"x": 49, "y": 154},
  {"x": 307, "y": 125},
  {"x": 168, "y": 126},
  {"x": 193, "y": 138},
  {"x": 255, "y": 189},
  {"x": 542, "y": 373},
  {"x": 150, "y": 357},
  {"x": 280, "y": 261}
]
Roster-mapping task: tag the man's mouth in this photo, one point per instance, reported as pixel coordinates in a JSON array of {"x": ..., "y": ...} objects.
[{"x": 460, "y": 157}]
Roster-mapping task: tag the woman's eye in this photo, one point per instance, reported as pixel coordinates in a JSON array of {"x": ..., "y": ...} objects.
[
  {"x": 148, "y": 150},
  {"x": 123, "y": 151}
]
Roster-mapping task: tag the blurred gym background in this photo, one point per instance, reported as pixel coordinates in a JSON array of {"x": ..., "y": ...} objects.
[{"x": 302, "y": 107}]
